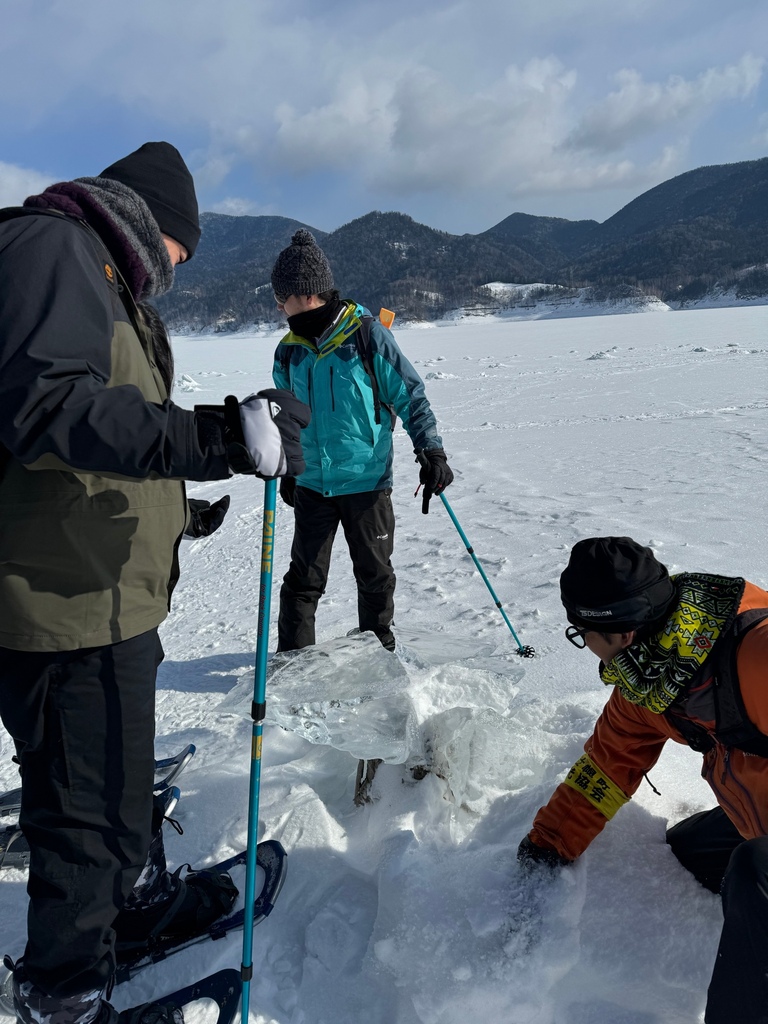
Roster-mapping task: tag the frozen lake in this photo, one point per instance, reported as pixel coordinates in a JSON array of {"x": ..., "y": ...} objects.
[{"x": 411, "y": 909}]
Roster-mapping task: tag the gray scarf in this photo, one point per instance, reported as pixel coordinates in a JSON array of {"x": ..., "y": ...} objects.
[
  {"x": 131, "y": 216},
  {"x": 123, "y": 221}
]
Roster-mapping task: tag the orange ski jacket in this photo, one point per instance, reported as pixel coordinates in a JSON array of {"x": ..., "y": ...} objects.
[{"x": 628, "y": 740}]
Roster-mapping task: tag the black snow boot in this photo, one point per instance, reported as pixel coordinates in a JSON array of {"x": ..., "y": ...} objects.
[
  {"x": 189, "y": 907},
  {"x": 30, "y": 1005}
]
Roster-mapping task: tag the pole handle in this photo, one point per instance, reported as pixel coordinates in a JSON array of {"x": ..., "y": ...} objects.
[{"x": 426, "y": 497}]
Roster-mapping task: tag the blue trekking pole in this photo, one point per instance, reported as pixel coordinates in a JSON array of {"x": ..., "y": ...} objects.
[
  {"x": 258, "y": 712},
  {"x": 421, "y": 458}
]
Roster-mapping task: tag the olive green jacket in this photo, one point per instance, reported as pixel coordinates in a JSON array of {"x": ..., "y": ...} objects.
[{"x": 87, "y": 554}]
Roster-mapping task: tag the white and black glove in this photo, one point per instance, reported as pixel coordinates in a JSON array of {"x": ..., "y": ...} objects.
[{"x": 263, "y": 433}]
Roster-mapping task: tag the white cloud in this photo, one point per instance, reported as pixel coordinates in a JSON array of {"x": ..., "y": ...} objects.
[
  {"x": 587, "y": 176},
  {"x": 210, "y": 170},
  {"x": 389, "y": 102},
  {"x": 16, "y": 183},
  {"x": 422, "y": 133},
  {"x": 359, "y": 119},
  {"x": 638, "y": 107},
  {"x": 415, "y": 129},
  {"x": 237, "y": 206},
  {"x": 761, "y": 137}
]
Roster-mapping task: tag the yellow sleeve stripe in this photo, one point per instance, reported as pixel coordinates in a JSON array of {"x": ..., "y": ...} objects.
[{"x": 594, "y": 785}]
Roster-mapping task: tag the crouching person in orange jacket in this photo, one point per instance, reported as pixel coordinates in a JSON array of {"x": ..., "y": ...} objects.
[{"x": 688, "y": 659}]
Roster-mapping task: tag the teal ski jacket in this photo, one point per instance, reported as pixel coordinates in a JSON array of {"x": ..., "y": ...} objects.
[{"x": 346, "y": 451}]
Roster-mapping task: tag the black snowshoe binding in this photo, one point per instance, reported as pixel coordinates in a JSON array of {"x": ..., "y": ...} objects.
[
  {"x": 148, "y": 1013},
  {"x": 224, "y": 988},
  {"x": 194, "y": 903}
]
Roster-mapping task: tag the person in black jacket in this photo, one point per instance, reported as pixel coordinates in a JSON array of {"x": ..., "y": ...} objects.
[{"x": 93, "y": 455}]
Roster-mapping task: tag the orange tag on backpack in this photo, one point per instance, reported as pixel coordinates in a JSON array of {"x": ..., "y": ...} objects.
[{"x": 386, "y": 317}]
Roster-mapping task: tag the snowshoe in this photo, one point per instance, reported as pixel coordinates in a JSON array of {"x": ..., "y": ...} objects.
[
  {"x": 167, "y": 770},
  {"x": 224, "y": 988},
  {"x": 14, "y": 848},
  {"x": 7, "y": 1009},
  {"x": 272, "y": 865},
  {"x": 145, "y": 1013},
  {"x": 195, "y": 903}
]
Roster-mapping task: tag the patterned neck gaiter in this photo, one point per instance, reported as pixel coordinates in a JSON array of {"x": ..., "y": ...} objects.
[{"x": 654, "y": 672}]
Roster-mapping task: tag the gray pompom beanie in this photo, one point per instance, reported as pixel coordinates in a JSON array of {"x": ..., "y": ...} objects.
[{"x": 301, "y": 268}]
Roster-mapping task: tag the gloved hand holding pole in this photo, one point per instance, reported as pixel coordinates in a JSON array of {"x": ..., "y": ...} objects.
[{"x": 435, "y": 474}]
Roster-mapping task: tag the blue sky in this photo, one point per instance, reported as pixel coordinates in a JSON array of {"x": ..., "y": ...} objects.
[{"x": 458, "y": 114}]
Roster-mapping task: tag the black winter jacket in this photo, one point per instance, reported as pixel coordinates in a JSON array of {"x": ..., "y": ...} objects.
[{"x": 93, "y": 452}]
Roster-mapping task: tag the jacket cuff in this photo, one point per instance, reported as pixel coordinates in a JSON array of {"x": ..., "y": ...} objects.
[{"x": 210, "y": 425}]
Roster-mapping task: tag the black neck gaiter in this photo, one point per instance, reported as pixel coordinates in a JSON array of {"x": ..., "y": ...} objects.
[{"x": 313, "y": 324}]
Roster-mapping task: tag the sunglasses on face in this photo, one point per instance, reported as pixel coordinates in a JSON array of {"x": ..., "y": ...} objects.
[
  {"x": 576, "y": 636},
  {"x": 281, "y": 299}
]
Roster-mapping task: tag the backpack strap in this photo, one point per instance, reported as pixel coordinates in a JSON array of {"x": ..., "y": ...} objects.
[
  {"x": 733, "y": 726},
  {"x": 696, "y": 736},
  {"x": 363, "y": 342}
]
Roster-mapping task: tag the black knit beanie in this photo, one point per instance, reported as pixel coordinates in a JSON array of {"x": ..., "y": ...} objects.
[
  {"x": 302, "y": 268},
  {"x": 158, "y": 173},
  {"x": 613, "y": 584}
]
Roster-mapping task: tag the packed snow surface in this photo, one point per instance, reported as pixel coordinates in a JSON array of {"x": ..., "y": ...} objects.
[{"x": 412, "y": 909}]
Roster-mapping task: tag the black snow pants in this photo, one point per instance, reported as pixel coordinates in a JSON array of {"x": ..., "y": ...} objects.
[
  {"x": 709, "y": 846},
  {"x": 83, "y": 724},
  {"x": 368, "y": 521}
]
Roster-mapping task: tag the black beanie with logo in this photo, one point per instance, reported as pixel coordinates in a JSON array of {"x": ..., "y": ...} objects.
[
  {"x": 158, "y": 173},
  {"x": 613, "y": 585}
]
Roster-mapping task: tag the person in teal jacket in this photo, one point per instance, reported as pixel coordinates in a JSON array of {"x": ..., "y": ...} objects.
[{"x": 349, "y": 369}]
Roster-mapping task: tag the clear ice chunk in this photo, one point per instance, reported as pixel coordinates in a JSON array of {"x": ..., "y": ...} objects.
[{"x": 348, "y": 693}]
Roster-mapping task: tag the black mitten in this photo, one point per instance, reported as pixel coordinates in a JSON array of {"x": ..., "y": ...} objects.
[
  {"x": 288, "y": 490},
  {"x": 205, "y": 518},
  {"x": 530, "y": 855},
  {"x": 437, "y": 475}
]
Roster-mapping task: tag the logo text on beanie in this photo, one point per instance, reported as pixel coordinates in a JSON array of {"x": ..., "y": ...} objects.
[{"x": 588, "y": 613}]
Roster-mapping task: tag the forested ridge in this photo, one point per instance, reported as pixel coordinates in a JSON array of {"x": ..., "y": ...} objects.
[{"x": 678, "y": 241}]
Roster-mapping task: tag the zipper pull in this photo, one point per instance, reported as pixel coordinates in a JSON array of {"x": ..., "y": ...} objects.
[{"x": 726, "y": 758}]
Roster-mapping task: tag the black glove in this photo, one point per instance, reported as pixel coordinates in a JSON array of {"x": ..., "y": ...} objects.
[
  {"x": 205, "y": 518},
  {"x": 435, "y": 474},
  {"x": 288, "y": 490},
  {"x": 529, "y": 855},
  {"x": 263, "y": 433}
]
